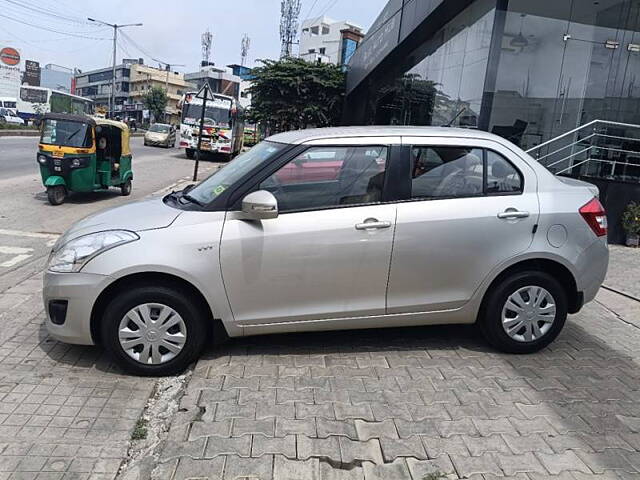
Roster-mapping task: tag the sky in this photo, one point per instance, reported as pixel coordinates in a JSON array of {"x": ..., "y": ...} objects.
[{"x": 171, "y": 30}]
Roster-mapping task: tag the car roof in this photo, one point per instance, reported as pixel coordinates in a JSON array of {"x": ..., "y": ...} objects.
[{"x": 303, "y": 136}]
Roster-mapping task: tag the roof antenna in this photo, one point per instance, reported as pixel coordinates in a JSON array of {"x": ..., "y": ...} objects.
[{"x": 456, "y": 117}]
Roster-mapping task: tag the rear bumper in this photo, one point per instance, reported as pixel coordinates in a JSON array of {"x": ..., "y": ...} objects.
[{"x": 592, "y": 268}]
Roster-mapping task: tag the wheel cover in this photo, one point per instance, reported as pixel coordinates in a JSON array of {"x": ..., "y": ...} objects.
[
  {"x": 152, "y": 333},
  {"x": 528, "y": 313}
]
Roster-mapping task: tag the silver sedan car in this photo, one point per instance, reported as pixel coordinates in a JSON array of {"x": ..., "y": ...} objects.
[{"x": 340, "y": 228}]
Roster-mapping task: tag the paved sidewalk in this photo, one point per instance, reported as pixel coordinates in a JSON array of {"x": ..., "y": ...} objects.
[
  {"x": 403, "y": 403},
  {"x": 624, "y": 270},
  {"x": 65, "y": 411}
]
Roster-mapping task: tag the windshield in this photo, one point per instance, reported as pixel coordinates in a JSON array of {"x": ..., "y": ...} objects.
[
  {"x": 213, "y": 116},
  {"x": 157, "y": 127},
  {"x": 222, "y": 179},
  {"x": 65, "y": 132}
]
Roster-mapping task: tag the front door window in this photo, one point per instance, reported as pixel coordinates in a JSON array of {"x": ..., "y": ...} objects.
[{"x": 326, "y": 177}]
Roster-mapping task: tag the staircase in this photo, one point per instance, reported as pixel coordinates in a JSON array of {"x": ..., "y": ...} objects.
[{"x": 598, "y": 149}]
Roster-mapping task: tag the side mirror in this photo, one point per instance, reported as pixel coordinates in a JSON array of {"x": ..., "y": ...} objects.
[{"x": 260, "y": 205}]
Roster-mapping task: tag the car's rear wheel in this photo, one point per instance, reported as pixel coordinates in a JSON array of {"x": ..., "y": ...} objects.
[
  {"x": 153, "y": 330},
  {"x": 524, "y": 312},
  {"x": 56, "y": 194}
]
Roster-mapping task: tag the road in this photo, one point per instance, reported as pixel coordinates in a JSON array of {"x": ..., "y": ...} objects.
[{"x": 29, "y": 224}]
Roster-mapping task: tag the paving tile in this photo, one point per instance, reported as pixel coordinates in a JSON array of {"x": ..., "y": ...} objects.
[{"x": 556, "y": 463}]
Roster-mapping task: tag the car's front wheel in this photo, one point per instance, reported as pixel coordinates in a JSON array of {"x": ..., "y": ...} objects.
[
  {"x": 524, "y": 312},
  {"x": 154, "y": 330}
]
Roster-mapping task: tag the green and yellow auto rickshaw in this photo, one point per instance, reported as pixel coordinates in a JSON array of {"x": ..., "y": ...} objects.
[{"x": 78, "y": 153}]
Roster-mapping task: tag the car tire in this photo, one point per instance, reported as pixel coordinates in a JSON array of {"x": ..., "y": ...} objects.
[
  {"x": 498, "y": 316},
  {"x": 125, "y": 188},
  {"x": 56, "y": 194},
  {"x": 180, "y": 302},
  {"x": 190, "y": 153}
]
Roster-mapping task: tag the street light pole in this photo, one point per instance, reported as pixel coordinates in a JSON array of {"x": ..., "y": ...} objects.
[
  {"x": 115, "y": 26},
  {"x": 167, "y": 67}
]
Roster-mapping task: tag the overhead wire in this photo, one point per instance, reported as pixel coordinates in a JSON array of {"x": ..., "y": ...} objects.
[
  {"x": 48, "y": 13},
  {"x": 41, "y": 27}
]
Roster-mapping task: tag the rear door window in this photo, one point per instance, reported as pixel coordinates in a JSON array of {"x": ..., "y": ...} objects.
[{"x": 445, "y": 172}]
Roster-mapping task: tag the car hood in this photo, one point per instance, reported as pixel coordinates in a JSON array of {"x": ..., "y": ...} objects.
[{"x": 137, "y": 217}]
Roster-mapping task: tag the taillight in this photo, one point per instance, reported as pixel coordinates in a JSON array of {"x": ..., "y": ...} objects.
[{"x": 594, "y": 214}]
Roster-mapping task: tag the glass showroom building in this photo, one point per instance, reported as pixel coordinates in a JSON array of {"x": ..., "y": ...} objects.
[{"x": 528, "y": 70}]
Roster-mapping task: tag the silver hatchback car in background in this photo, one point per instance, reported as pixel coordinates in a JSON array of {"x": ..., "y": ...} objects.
[{"x": 339, "y": 228}]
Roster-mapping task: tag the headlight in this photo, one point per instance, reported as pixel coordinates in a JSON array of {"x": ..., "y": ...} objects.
[
  {"x": 42, "y": 159},
  {"x": 73, "y": 255}
]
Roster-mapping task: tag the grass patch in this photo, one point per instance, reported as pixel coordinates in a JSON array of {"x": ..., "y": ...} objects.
[
  {"x": 11, "y": 126},
  {"x": 434, "y": 476},
  {"x": 140, "y": 430}
]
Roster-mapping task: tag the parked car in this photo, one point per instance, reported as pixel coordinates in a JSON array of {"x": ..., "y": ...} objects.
[
  {"x": 8, "y": 117},
  {"x": 419, "y": 226},
  {"x": 160, "y": 135}
]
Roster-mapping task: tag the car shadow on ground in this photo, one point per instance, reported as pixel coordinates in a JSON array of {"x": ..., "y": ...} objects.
[{"x": 80, "y": 198}]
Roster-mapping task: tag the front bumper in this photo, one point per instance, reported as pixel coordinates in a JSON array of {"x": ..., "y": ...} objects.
[
  {"x": 80, "y": 291},
  {"x": 156, "y": 142}
]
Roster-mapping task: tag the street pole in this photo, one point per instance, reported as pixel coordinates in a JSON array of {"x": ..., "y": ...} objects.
[
  {"x": 115, "y": 26},
  {"x": 167, "y": 67},
  {"x": 204, "y": 106},
  {"x": 112, "y": 102}
]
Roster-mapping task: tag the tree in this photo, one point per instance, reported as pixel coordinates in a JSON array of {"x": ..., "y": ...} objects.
[
  {"x": 292, "y": 93},
  {"x": 156, "y": 101}
]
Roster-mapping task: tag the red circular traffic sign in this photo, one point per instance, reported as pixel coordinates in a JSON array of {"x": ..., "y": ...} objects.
[{"x": 10, "y": 56}]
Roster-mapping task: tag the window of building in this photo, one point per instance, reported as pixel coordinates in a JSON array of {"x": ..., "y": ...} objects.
[
  {"x": 305, "y": 30},
  {"x": 325, "y": 30},
  {"x": 325, "y": 177},
  {"x": 323, "y": 50},
  {"x": 315, "y": 30},
  {"x": 312, "y": 50},
  {"x": 100, "y": 76}
]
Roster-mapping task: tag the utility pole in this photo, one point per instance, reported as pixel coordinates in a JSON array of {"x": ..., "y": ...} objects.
[
  {"x": 115, "y": 26},
  {"x": 167, "y": 67}
]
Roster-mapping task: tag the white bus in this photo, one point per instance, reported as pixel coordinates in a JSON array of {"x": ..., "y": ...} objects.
[
  {"x": 223, "y": 129},
  {"x": 36, "y": 101}
]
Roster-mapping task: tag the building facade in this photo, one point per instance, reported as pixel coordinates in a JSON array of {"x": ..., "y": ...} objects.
[
  {"x": 325, "y": 40},
  {"x": 96, "y": 85},
  {"x": 566, "y": 71},
  {"x": 142, "y": 78},
  {"x": 219, "y": 80},
  {"x": 529, "y": 70}
]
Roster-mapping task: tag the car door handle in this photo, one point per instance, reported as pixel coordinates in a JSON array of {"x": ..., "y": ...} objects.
[
  {"x": 372, "y": 223},
  {"x": 510, "y": 213}
]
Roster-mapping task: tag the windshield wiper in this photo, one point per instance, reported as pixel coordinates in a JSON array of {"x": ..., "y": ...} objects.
[
  {"x": 74, "y": 133},
  {"x": 191, "y": 199}
]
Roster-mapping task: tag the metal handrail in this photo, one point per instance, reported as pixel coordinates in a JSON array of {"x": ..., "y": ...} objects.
[{"x": 582, "y": 127}]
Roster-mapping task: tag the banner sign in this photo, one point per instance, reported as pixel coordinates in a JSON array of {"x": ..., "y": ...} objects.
[{"x": 31, "y": 73}]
